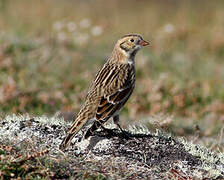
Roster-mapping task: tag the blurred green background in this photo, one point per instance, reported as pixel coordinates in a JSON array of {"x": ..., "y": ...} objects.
[{"x": 50, "y": 51}]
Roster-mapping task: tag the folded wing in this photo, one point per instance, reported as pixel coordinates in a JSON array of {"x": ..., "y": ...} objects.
[{"x": 118, "y": 86}]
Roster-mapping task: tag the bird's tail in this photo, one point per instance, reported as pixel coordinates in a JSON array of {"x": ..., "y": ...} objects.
[{"x": 76, "y": 126}]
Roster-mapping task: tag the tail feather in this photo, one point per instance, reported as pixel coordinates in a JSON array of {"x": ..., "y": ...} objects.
[
  {"x": 66, "y": 141},
  {"x": 78, "y": 125}
]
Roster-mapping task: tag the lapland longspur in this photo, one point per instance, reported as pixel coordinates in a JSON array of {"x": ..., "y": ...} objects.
[{"x": 112, "y": 87}]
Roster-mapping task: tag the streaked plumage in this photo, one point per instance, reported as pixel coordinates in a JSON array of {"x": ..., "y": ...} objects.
[{"x": 112, "y": 87}]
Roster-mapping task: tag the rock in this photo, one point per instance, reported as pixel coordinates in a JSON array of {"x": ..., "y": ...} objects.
[{"x": 137, "y": 154}]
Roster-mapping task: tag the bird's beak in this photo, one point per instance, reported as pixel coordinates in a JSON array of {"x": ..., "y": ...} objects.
[{"x": 143, "y": 43}]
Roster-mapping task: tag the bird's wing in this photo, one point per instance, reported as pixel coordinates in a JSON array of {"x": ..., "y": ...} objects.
[
  {"x": 112, "y": 103},
  {"x": 117, "y": 84}
]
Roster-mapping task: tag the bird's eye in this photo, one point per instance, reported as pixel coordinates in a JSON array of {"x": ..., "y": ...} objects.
[{"x": 132, "y": 40}]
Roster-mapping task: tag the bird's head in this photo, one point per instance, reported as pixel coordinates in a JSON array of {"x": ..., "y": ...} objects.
[{"x": 130, "y": 44}]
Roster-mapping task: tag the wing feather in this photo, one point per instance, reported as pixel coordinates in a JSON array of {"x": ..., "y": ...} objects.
[
  {"x": 119, "y": 85},
  {"x": 110, "y": 107}
]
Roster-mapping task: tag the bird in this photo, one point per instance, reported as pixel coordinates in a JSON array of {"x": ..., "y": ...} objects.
[{"x": 110, "y": 90}]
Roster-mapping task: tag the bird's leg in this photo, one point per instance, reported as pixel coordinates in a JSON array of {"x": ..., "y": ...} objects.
[
  {"x": 107, "y": 130},
  {"x": 92, "y": 130},
  {"x": 116, "y": 121}
]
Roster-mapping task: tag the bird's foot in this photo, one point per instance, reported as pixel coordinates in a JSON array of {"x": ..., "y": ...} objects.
[
  {"x": 115, "y": 132},
  {"x": 125, "y": 134}
]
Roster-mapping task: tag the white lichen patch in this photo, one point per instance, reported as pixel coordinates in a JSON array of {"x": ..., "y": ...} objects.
[
  {"x": 103, "y": 145},
  {"x": 15, "y": 118},
  {"x": 53, "y": 120},
  {"x": 81, "y": 146},
  {"x": 141, "y": 129},
  {"x": 110, "y": 125},
  {"x": 212, "y": 162},
  {"x": 42, "y": 130},
  {"x": 144, "y": 152}
]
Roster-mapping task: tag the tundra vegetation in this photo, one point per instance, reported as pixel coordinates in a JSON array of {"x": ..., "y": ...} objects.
[{"x": 51, "y": 50}]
